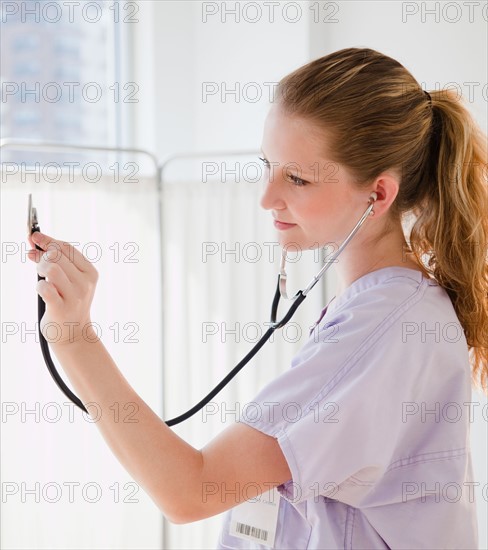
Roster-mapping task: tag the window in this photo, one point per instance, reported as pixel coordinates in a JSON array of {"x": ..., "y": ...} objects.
[
  {"x": 64, "y": 61},
  {"x": 23, "y": 43}
]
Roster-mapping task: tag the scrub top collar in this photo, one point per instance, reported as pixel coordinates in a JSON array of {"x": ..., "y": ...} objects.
[{"x": 371, "y": 279}]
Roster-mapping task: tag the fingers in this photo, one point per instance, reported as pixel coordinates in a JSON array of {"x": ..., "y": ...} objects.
[
  {"x": 74, "y": 256},
  {"x": 31, "y": 242},
  {"x": 48, "y": 292},
  {"x": 75, "y": 268},
  {"x": 57, "y": 269},
  {"x": 53, "y": 263}
]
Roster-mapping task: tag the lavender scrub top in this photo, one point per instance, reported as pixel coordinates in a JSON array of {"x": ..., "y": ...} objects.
[{"x": 371, "y": 422}]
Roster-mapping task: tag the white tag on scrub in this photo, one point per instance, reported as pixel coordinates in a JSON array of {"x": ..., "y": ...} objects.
[{"x": 257, "y": 519}]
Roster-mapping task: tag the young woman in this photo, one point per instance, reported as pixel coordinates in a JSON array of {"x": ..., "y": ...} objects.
[{"x": 375, "y": 459}]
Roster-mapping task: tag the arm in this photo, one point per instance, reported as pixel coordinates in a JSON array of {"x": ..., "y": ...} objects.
[{"x": 185, "y": 483}]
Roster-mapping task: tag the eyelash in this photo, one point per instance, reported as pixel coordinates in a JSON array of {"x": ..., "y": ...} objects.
[{"x": 298, "y": 182}]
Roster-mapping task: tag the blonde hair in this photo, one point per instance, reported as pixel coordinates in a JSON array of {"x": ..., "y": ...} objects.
[{"x": 378, "y": 118}]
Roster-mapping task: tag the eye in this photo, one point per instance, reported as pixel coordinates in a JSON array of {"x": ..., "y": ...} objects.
[{"x": 297, "y": 181}]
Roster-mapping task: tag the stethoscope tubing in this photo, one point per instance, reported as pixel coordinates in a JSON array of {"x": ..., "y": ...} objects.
[{"x": 298, "y": 298}]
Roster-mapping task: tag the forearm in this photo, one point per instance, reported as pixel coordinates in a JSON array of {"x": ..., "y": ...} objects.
[
  {"x": 164, "y": 465},
  {"x": 185, "y": 483}
]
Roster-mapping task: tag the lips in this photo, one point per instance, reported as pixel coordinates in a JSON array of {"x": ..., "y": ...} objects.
[{"x": 283, "y": 225}]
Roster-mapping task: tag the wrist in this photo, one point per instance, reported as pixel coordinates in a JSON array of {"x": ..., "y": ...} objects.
[{"x": 85, "y": 335}]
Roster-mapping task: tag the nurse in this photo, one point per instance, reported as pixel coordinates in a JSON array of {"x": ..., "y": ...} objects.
[{"x": 355, "y": 445}]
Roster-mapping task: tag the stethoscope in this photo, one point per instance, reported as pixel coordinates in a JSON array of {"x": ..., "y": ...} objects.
[{"x": 33, "y": 225}]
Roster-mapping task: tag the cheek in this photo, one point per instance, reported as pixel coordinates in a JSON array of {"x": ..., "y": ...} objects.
[
  {"x": 324, "y": 223},
  {"x": 315, "y": 215}
]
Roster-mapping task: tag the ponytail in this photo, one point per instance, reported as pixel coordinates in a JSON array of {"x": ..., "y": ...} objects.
[{"x": 452, "y": 224}]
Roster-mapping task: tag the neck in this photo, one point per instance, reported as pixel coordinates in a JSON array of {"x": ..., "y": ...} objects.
[{"x": 373, "y": 253}]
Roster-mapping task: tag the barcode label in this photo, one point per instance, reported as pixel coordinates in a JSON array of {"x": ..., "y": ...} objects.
[
  {"x": 257, "y": 520},
  {"x": 251, "y": 531}
]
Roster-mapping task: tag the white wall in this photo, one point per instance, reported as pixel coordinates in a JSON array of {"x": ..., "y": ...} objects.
[{"x": 190, "y": 51}]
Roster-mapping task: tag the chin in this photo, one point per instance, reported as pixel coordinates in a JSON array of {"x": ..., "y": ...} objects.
[{"x": 295, "y": 244}]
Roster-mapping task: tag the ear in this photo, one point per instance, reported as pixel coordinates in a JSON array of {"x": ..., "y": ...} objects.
[{"x": 386, "y": 187}]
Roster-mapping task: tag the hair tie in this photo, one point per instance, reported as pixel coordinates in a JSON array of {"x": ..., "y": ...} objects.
[{"x": 428, "y": 96}]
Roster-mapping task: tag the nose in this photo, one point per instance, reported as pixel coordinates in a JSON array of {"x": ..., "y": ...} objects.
[{"x": 271, "y": 197}]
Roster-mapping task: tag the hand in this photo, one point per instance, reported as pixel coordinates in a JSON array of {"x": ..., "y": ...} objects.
[{"x": 67, "y": 291}]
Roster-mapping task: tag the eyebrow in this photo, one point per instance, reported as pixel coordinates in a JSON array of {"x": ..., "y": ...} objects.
[{"x": 304, "y": 173}]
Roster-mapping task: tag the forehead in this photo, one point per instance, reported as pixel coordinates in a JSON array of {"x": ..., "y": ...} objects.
[{"x": 290, "y": 138}]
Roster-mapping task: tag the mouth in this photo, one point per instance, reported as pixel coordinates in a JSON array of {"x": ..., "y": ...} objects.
[{"x": 282, "y": 225}]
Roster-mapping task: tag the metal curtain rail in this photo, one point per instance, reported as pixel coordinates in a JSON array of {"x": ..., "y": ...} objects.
[
  {"x": 159, "y": 167},
  {"x": 49, "y": 146},
  {"x": 179, "y": 156}
]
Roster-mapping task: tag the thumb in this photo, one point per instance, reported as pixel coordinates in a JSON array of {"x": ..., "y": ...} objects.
[{"x": 41, "y": 240}]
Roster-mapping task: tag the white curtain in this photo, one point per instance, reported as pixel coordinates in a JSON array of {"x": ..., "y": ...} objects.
[
  {"x": 221, "y": 260},
  {"x": 61, "y": 485}
]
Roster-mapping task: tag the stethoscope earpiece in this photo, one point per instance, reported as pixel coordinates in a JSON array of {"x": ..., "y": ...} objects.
[{"x": 372, "y": 198}]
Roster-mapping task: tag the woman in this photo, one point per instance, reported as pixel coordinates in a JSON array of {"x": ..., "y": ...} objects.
[{"x": 373, "y": 457}]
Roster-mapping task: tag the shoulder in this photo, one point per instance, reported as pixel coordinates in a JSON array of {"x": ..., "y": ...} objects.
[
  {"x": 387, "y": 336},
  {"x": 385, "y": 302},
  {"x": 391, "y": 291},
  {"x": 393, "y": 318}
]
